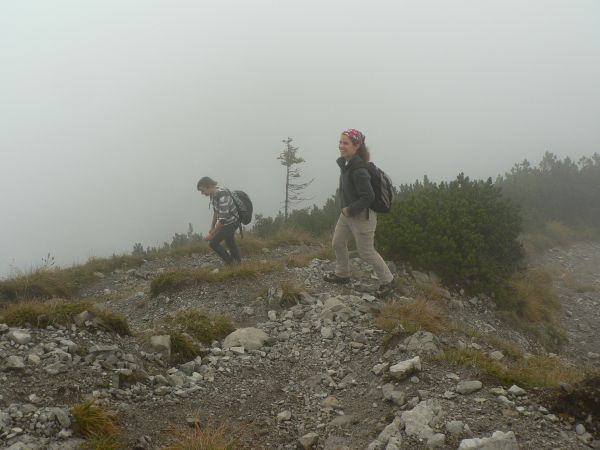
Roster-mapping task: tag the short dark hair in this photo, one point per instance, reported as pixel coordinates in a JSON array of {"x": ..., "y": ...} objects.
[{"x": 206, "y": 182}]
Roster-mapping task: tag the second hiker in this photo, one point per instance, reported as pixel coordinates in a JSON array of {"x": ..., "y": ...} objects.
[{"x": 224, "y": 223}]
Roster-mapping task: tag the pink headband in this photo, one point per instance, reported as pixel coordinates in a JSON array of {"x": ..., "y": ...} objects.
[{"x": 356, "y": 136}]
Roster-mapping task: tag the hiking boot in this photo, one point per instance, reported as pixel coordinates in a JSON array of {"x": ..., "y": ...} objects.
[
  {"x": 333, "y": 278},
  {"x": 386, "y": 288}
]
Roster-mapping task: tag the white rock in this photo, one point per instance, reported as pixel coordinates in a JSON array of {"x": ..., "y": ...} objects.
[
  {"x": 378, "y": 369},
  {"x": 14, "y": 362},
  {"x": 284, "y": 416},
  {"x": 497, "y": 355},
  {"x": 516, "y": 390},
  {"x": 19, "y": 337},
  {"x": 468, "y": 387},
  {"x": 455, "y": 427},
  {"x": 250, "y": 338},
  {"x": 327, "y": 333},
  {"x": 498, "y": 441},
  {"x": 403, "y": 369},
  {"x": 308, "y": 441}
]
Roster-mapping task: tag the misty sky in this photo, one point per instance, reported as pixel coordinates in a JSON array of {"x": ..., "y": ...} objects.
[{"x": 110, "y": 111}]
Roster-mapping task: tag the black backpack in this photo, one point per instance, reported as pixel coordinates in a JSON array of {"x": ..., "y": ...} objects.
[
  {"x": 243, "y": 205},
  {"x": 382, "y": 186}
]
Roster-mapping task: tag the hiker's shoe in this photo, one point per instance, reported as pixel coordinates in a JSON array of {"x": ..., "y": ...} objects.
[
  {"x": 333, "y": 278},
  {"x": 386, "y": 288}
]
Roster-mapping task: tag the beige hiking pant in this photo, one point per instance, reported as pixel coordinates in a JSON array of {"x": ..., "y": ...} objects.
[{"x": 363, "y": 231}]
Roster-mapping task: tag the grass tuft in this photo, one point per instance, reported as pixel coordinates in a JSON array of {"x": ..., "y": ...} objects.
[
  {"x": 46, "y": 282},
  {"x": 94, "y": 421},
  {"x": 40, "y": 314},
  {"x": 183, "y": 347},
  {"x": 291, "y": 294},
  {"x": 534, "y": 298},
  {"x": 419, "y": 314},
  {"x": 113, "y": 321},
  {"x": 102, "y": 443},
  {"x": 202, "y": 327},
  {"x": 537, "y": 371},
  {"x": 177, "y": 279},
  {"x": 203, "y": 438}
]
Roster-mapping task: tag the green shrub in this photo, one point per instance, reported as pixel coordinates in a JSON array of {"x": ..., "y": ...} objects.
[
  {"x": 464, "y": 231},
  {"x": 556, "y": 191}
]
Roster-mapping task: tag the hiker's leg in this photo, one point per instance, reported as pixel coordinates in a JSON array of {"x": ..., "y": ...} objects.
[
  {"x": 363, "y": 230},
  {"x": 230, "y": 242},
  {"x": 339, "y": 243},
  {"x": 215, "y": 244}
]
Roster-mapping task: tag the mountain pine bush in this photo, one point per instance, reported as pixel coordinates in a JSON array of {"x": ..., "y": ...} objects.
[{"x": 465, "y": 231}]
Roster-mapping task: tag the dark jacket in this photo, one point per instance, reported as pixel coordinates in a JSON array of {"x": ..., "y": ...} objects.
[{"x": 355, "y": 186}]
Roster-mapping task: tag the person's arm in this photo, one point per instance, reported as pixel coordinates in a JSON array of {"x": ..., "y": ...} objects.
[
  {"x": 362, "y": 183},
  {"x": 214, "y": 227}
]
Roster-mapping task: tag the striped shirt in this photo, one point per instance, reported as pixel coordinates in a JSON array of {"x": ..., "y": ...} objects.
[{"x": 223, "y": 205}]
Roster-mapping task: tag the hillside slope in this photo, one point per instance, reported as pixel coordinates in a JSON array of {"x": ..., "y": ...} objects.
[{"x": 324, "y": 374}]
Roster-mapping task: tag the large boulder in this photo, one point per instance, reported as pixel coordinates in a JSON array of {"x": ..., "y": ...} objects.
[
  {"x": 249, "y": 338},
  {"x": 19, "y": 337},
  {"x": 403, "y": 369},
  {"x": 422, "y": 341}
]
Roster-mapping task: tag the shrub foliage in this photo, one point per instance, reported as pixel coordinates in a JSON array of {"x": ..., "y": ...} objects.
[
  {"x": 556, "y": 190},
  {"x": 464, "y": 230}
]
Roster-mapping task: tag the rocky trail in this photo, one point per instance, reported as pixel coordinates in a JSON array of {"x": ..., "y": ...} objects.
[{"x": 317, "y": 374}]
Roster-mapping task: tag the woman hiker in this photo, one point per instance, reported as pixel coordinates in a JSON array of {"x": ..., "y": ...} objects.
[
  {"x": 224, "y": 223},
  {"x": 356, "y": 219}
]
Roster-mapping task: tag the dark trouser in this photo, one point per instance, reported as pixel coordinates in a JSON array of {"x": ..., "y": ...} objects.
[{"x": 227, "y": 234}]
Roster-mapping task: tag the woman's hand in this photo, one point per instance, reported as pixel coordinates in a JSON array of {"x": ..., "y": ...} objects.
[{"x": 345, "y": 212}]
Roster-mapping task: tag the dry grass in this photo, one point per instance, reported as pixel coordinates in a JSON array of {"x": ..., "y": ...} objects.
[
  {"x": 534, "y": 298},
  {"x": 419, "y": 314},
  {"x": 39, "y": 283},
  {"x": 304, "y": 259},
  {"x": 252, "y": 244},
  {"x": 203, "y": 438},
  {"x": 189, "y": 248},
  {"x": 113, "y": 321},
  {"x": 102, "y": 443},
  {"x": 94, "y": 421},
  {"x": 176, "y": 279},
  {"x": 46, "y": 282},
  {"x": 40, "y": 314},
  {"x": 429, "y": 291},
  {"x": 183, "y": 347},
  {"x": 537, "y": 371},
  {"x": 291, "y": 293},
  {"x": 202, "y": 327}
]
